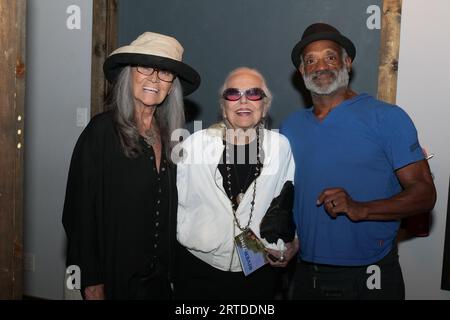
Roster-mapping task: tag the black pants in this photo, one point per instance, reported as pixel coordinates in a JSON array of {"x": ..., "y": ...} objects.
[
  {"x": 325, "y": 282},
  {"x": 197, "y": 280}
]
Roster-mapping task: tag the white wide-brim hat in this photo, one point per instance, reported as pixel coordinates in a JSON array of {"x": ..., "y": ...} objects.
[{"x": 153, "y": 50}]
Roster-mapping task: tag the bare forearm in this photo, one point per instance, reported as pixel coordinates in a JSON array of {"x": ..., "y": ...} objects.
[
  {"x": 416, "y": 199},
  {"x": 419, "y": 196}
]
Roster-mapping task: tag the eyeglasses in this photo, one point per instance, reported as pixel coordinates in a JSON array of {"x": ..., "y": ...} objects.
[
  {"x": 252, "y": 94},
  {"x": 163, "y": 75}
]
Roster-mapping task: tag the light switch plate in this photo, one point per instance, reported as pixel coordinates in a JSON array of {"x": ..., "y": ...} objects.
[{"x": 82, "y": 117}]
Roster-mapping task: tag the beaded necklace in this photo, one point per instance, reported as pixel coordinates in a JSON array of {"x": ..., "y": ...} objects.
[{"x": 240, "y": 195}]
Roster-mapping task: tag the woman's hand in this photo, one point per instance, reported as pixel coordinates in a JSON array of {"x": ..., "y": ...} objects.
[
  {"x": 96, "y": 292},
  {"x": 282, "y": 258}
]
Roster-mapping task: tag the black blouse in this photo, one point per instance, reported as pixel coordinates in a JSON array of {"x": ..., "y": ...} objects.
[
  {"x": 241, "y": 159},
  {"x": 117, "y": 210}
]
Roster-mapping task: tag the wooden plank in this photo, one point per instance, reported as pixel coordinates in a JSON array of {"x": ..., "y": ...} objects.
[
  {"x": 12, "y": 96},
  {"x": 19, "y": 162},
  {"x": 104, "y": 41},
  {"x": 389, "y": 50}
]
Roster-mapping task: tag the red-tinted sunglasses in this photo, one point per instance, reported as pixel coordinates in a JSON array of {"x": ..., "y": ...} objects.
[{"x": 252, "y": 94}]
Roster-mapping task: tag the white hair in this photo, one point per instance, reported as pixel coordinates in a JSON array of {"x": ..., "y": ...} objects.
[{"x": 267, "y": 100}]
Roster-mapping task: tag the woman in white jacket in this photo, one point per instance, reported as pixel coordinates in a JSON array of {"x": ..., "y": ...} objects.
[{"x": 226, "y": 180}]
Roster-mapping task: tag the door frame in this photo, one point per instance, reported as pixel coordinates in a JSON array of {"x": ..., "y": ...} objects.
[
  {"x": 104, "y": 41},
  {"x": 12, "y": 100}
]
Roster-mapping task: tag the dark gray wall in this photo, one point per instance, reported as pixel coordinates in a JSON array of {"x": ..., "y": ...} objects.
[{"x": 219, "y": 36}]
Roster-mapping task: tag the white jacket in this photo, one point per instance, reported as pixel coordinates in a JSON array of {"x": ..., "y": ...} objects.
[{"x": 205, "y": 220}]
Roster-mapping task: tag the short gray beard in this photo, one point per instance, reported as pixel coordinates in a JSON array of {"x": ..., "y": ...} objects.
[{"x": 341, "y": 81}]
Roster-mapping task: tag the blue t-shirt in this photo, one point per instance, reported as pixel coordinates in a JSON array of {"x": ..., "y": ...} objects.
[{"x": 358, "y": 147}]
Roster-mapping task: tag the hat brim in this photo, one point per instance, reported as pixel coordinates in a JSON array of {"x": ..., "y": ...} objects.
[
  {"x": 344, "y": 42},
  {"x": 189, "y": 78}
]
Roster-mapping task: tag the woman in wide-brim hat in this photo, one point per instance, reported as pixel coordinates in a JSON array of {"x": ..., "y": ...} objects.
[{"x": 120, "y": 206}]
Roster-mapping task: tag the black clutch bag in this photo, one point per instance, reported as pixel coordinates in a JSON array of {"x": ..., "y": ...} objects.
[{"x": 278, "y": 222}]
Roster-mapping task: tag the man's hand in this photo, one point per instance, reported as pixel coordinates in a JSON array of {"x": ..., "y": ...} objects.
[
  {"x": 338, "y": 201},
  {"x": 96, "y": 292},
  {"x": 283, "y": 257}
]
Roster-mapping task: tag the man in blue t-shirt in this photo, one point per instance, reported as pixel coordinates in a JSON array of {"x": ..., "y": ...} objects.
[{"x": 359, "y": 170}]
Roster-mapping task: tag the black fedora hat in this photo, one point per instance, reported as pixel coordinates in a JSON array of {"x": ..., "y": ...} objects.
[
  {"x": 153, "y": 50},
  {"x": 321, "y": 31}
]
